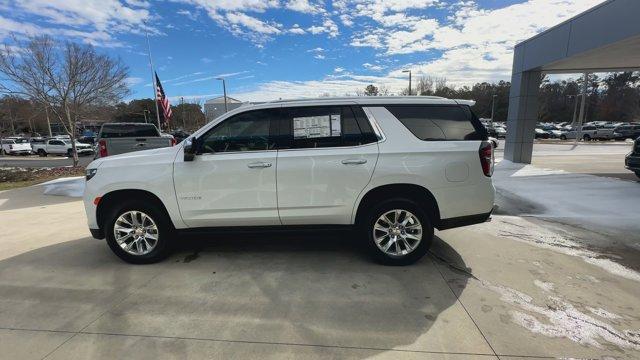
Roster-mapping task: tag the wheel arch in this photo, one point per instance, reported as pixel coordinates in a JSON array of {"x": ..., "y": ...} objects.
[
  {"x": 419, "y": 194},
  {"x": 114, "y": 197}
]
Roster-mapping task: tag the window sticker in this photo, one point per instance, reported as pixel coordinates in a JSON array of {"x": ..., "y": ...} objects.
[
  {"x": 310, "y": 127},
  {"x": 335, "y": 125}
]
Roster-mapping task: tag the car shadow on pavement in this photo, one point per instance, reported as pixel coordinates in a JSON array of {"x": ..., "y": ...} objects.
[{"x": 311, "y": 291}]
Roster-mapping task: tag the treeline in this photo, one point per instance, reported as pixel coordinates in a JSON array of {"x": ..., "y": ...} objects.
[
  {"x": 21, "y": 116},
  {"x": 614, "y": 97}
]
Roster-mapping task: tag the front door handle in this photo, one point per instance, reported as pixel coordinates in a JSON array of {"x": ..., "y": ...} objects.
[
  {"x": 258, "y": 165},
  {"x": 354, "y": 161}
]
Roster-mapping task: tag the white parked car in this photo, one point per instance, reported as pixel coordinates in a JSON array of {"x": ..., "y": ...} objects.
[
  {"x": 16, "y": 146},
  {"x": 60, "y": 146},
  {"x": 393, "y": 168}
]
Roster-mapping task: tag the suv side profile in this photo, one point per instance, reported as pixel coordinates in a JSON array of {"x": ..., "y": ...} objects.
[{"x": 391, "y": 168}]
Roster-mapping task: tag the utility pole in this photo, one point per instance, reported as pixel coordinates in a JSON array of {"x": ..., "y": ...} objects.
[
  {"x": 493, "y": 107},
  {"x": 582, "y": 107},
  {"x": 224, "y": 90},
  {"x": 46, "y": 111},
  {"x": 408, "y": 71}
]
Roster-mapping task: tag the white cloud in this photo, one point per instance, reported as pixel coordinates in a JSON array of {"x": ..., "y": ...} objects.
[
  {"x": 304, "y": 6},
  {"x": 319, "y": 56},
  {"x": 252, "y": 23},
  {"x": 95, "y": 22},
  {"x": 328, "y": 26},
  {"x": 373, "y": 67},
  {"x": 338, "y": 69},
  {"x": 316, "y": 50},
  {"x": 132, "y": 81},
  {"x": 211, "y": 77},
  {"x": 296, "y": 29},
  {"x": 206, "y": 60}
]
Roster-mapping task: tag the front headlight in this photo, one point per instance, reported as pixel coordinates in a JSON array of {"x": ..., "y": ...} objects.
[{"x": 89, "y": 173}]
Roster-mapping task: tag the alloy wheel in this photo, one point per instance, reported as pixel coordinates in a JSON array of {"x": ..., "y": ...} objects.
[
  {"x": 136, "y": 232},
  {"x": 397, "y": 232}
]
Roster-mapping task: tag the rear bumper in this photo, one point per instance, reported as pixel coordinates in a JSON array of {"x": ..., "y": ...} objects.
[{"x": 463, "y": 221}]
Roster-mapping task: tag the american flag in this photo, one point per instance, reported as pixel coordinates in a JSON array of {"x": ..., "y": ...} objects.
[{"x": 163, "y": 102}]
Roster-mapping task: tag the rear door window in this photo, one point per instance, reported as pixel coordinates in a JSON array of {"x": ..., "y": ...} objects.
[
  {"x": 327, "y": 126},
  {"x": 439, "y": 122}
]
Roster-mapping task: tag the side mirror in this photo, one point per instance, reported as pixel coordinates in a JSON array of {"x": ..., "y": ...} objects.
[{"x": 190, "y": 148}]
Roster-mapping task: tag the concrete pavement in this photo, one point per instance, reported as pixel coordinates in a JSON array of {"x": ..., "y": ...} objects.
[{"x": 484, "y": 292}]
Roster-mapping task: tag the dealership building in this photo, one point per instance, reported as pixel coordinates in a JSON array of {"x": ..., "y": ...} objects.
[{"x": 605, "y": 38}]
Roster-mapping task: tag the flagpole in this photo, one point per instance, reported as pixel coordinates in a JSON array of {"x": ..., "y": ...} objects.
[{"x": 153, "y": 77}]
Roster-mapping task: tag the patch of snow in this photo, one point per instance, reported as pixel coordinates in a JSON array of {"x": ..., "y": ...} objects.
[
  {"x": 545, "y": 286},
  {"x": 69, "y": 186},
  {"x": 519, "y": 229},
  {"x": 562, "y": 320},
  {"x": 604, "y": 313}
]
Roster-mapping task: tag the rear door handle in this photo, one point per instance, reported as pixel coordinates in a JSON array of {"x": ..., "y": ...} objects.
[
  {"x": 258, "y": 165},
  {"x": 354, "y": 161}
]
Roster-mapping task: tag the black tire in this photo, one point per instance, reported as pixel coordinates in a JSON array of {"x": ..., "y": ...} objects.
[
  {"x": 42, "y": 153},
  {"x": 369, "y": 221},
  {"x": 165, "y": 232},
  {"x": 586, "y": 137},
  {"x": 563, "y": 137},
  {"x": 70, "y": 153}
]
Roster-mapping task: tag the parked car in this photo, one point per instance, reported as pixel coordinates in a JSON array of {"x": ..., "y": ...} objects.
[
  {"x": 587, "y": 134},
  {"x": 541, "y": 134},
  {"x": 501, "y": 132},
  {"x": 60, "y": 147},
  {"x": 120, "y": 138},
  {"x": 390, "y": 168},
  {"x": 16, "y": 146},
  {"x": 632, "y": 160},
  {"x": 630, "y": 131}
]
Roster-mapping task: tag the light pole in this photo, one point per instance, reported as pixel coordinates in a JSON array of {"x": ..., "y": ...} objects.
[
  {"x": 493, "y": 107},
  {"x": 408, "y": 71},
  {"x": 184, "y": 124},
  {"x": 224, "y": 90}
]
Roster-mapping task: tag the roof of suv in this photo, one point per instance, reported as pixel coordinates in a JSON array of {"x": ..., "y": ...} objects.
[{"x": 366, "y": 100}]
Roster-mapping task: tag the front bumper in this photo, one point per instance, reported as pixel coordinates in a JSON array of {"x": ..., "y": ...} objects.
[{"x": 632, "y": 162}]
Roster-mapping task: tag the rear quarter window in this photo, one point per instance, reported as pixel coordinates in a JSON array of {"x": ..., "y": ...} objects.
[
  {"x": 120, "y": 131},
  {"x": 439, "y": 122}
]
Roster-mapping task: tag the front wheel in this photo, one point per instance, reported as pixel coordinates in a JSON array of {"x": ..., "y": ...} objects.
[
  {"x": 42, "y": 153},
  {"x": 563, "y": 137},
  {"x": 586, "y": 137},
  {"x": 138, "y": 233},
  {"x": 398, "y": 232}
]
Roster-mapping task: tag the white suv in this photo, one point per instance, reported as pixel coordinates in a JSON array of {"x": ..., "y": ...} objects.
[{"x": 393, "y": 168}]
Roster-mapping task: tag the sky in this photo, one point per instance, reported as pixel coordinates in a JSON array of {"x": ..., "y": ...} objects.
[{"x": 273, "y": 49}]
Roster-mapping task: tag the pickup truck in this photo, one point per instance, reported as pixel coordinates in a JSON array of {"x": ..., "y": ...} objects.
[
  {"x": 14, "y": 146},
  {"x": 59, "y": 147},
  {"x": 120, "y": 138}
]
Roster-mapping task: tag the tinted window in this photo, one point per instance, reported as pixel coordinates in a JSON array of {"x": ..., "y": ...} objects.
[
  {"x": 433, "y": 123},
  {"x": 56, "y": 142},
  {"x": 124, "y": 130},
  {"x": 327, "y": 126},
  {"x": 249, "y": 131}
]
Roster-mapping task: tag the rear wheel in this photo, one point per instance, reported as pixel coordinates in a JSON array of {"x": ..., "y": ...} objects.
[
  {"x": 563, "y": 137},
  {"x": 398, "y": 232},
  {"x": 42, "y": 153},
  {"x": 138, "y": 233}
]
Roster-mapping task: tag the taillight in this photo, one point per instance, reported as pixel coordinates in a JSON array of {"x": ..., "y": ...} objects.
[
  {"x": 102, "y": 147},
  {"x": 173, "y": 141},
  {"x": 486, "y": 157}
]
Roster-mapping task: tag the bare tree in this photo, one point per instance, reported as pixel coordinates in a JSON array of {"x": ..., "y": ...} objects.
[
  {"x": 65, "y": 77},
  {"x": 383, "y": 90},
  {"x": 425, "y": 85}
]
